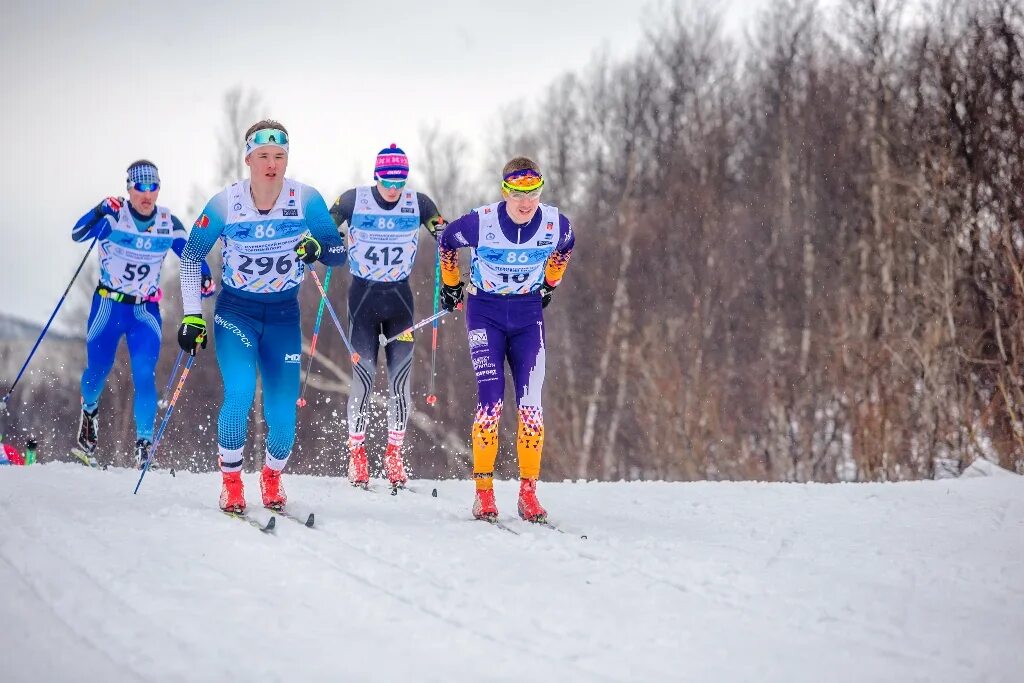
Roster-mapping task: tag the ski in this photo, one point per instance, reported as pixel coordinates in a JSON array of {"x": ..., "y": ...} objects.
[
  {"x": 241, "y": 516},
  {"x": 548, "y": 525},
  {"x": 495, "y": 522},
  {"x": 87, "y": 459},
  {"x": 307, "y": 522},
  {"x": 395, "y": 488}
]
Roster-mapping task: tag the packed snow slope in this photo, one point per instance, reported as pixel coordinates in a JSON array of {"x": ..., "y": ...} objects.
[{"x": 674, "y": 582}]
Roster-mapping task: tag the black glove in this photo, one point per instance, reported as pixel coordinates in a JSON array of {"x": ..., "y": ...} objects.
[
  {"x": 207, "y": 286},
  {"x": 546, "y": 291},
  {"x": 192, "y": 333},
  {"x": 308, "y": 249},
  {"x": 451, "y": 296}
]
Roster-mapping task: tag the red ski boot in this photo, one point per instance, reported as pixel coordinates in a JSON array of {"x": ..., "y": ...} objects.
[
  {"x": 358, "y": 469},
  {"x": 394, "y": 467},
  {"x": 232, "y": 493},
  {"x": 274, "y": 496},
  {"x": 529, "y": 507},
  {"x": 484, "y": 506}
]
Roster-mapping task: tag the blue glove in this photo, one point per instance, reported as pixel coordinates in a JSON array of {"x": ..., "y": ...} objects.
[{"x": 111, "y": 206}]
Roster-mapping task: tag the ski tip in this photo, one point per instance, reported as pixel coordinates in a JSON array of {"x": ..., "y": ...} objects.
[
  {"x": 394, "y": 489},
  {"x": 433, "y": 494},
  {"x": 172, "y": 472},
  {"x": 270, "y": 525},
  {"x": 301, "y": 403},
  {"x": 310, "y": 520}
]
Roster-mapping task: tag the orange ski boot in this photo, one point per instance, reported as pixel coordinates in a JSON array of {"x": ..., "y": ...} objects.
[
  {"x": 274, "y": 496},
  {"x": 394, "y": 467},
  {"x": 529, "y": 507},
  {"x": 484, "y": 506},
  {"x": 358, "y": 468},
  {"x": 232, "y": 493}
]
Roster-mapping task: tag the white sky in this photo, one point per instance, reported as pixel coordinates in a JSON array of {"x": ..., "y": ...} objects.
[{"x": 90, "y": 86}]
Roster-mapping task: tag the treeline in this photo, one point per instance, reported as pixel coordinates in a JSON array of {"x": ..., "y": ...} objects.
[{"x": 799, "y": 255}]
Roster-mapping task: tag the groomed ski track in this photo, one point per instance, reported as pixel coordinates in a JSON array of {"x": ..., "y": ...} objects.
[{"x": 675, "y": 582}]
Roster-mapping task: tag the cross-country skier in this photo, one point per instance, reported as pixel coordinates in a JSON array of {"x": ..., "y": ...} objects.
[
  {"x": 134, "y": 237},
  {"x": 384, "y": 228},
  {"x": 272, "y": 228},
  {"x": 520, "y": 249}
]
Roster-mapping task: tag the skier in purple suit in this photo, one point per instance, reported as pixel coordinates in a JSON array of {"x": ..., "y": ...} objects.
[{"x": 520, "y": 249}]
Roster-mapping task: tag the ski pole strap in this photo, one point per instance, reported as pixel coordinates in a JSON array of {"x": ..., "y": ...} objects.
[{"x": 122, "y": 298}]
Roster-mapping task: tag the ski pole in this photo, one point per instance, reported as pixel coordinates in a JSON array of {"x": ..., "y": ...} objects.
[
  {"x": 170, "y": 380},
  {"x": 3, "y": 402},
  {"x": 334, "y": 316},
  {"x": 167, "y": 416},
  {"x": 312, "y": 343},
  {"x": 431, "y": 396},
  {"x": 384, "y": 341}
]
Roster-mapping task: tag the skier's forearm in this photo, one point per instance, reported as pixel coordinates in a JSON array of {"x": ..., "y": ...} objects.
[
  {"x": 323, "y": 229},
  {"x": 87, "y": 226},
  {"x": 555, "y": 269},
  {"x": 449, "y": 266},
  {"x": 341, "y": 210},
  {"x": 191, "y": 301}
]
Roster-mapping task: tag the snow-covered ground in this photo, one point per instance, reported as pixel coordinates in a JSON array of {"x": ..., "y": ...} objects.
[{"x": 674, "y": 582}]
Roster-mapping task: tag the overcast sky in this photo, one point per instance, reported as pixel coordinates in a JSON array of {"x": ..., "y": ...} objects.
[{"x": 90, "y": 86}]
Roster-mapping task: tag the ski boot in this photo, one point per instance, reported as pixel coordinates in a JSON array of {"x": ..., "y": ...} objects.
[
  {"x": 484, "y": 506},
  {"x": 358, "y": 468},
  {"x": 143, "y": 450},
  {"x": 274, "y": 496},
  {"x": 394, "y": 467},
  {"x": 232, "y": 492},
  {"x": 88, "y": 434},
  {"x": 529, "y": 507}
]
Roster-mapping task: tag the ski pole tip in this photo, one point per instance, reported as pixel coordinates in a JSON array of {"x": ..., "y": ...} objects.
[
  {"x": 355, "y": 357},
  {"x": 431, "y": 400},
  {"x": 301, "y": 402}
]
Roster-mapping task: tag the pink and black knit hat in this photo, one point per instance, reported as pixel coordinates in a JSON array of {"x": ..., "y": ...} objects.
[{"x": 392, "y": 164}]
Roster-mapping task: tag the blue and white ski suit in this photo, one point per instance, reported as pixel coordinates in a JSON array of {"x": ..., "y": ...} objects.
[
  {"x": 256, "y": 319},
  {"x": 131, "y": 249}
]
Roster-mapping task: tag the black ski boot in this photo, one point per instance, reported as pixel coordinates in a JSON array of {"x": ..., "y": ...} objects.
[
  {"x": 143, "y": 449},
  {"x": 88, "y": 434}
]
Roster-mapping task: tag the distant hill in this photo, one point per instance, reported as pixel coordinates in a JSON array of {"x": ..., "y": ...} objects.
[{"x": 15, "y": 329}]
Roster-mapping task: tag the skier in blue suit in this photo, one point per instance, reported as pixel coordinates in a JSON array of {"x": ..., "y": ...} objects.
[
  {"x": 133, "y": 238},
  {"x": 272, "y": 228}
]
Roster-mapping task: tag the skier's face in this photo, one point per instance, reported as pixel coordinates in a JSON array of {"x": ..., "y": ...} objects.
[
  {"x": 144, "y": 202},
  {"x": 267, "y": 164},
  {"x": 521, "y": 209},
  {"x": 390, "y": 190}
]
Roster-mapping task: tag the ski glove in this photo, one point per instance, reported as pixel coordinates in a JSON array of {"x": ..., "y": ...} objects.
[
  {"x": 308, "y": 249},
  {"x": 451, "y": 296},
  {"x": 207, "y": 288},
  {"x": 192, "y": 333},
  {"x": 546, "y": 291},
  {"x": 111, "y": 206}
]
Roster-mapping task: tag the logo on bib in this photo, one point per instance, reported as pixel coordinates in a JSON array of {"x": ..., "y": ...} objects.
[
  {"x": 477, "y": 338},
  {"x": 289, "y": 212}
]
